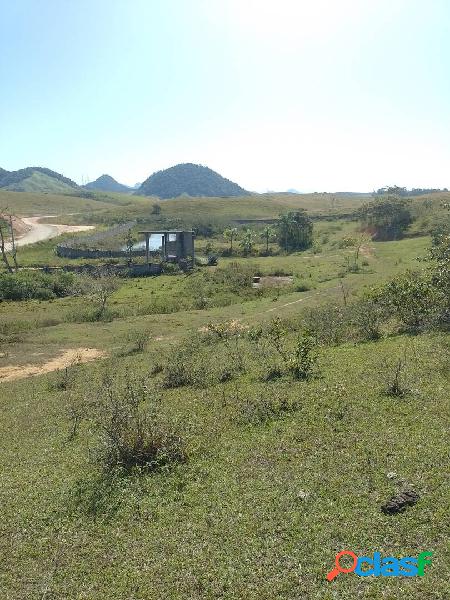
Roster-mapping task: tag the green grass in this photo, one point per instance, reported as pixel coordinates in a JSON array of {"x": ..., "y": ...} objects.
[
  {"x": 43, "y": 325},
  {"x": 37, "y": 182},
  {"x": 259, "y": 511},
  {"x": 29, "y": 204},
  {"x": 281, "y": 474}
]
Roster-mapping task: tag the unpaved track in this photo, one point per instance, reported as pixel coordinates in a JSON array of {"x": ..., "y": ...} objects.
[
  {"x": 38, "y": 232},
  {"x": 67, "y": 358}
]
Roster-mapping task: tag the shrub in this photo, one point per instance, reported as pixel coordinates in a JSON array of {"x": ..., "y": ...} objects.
[
  {"x": 138, "y": 340},
  {"x": 133, "y": 435},
  {"x": 91, "y": 315},
  {"x": 395, "y": 379},
  {"x": 302, "y": 287},
  {"x": 303, "y": 361},
  {"x": 36, "y": 285},
  {"x": 235, "y": 276},
  {"x": 411, "y": 299},
  {"x": 170, "y": 268},
  {"x": 176, "y": 373},
  {"x": 386, "y": 218},
  {"x": 329, "y": 323},
  {"x": 367, "y": 317},
  {"x": 161, "y": 306},
  {"x": 265, "y": 408}
]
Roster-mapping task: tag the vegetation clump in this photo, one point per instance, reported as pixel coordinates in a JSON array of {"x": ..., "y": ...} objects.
[
  {"x": 132, "y": 433},
  {"x": 295, "y": 231},
  {"x": 36, "y": 285},
  {"x": 386, "y": 218}
]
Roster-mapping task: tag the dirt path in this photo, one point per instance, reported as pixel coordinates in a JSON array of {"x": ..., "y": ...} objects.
[
  {"x": 320, "y": 293},
  {"x": 35, "y": 231},
  {"x": 67, "y": 358}
]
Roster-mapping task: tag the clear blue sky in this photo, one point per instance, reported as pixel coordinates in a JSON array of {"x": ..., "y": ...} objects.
[{"x": 308, "y": 94}]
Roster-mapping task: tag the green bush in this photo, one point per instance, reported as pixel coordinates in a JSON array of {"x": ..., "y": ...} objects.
[
  {"x": 303, "y": 360},
  {"x": 36, "y": 285},
  {"x": 329, "y": 322},
  {"x": 412, "y": 299},
  {"x": 91, "y": 315},
  {"x": 386, "y": 218},
  {"x": 133, "y": 434},
  {"x": 302, "y": 287},
  {"x": 367, "y": 317}
]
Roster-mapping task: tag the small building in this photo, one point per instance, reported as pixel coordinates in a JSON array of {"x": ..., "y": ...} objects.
[{"x": 176, "y": 244}]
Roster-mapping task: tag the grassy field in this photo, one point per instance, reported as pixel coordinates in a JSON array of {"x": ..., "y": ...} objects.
[{"x": 278, "y": 473}]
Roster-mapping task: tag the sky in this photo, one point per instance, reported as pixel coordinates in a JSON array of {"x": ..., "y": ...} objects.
[{"x": 316, "y": 95}]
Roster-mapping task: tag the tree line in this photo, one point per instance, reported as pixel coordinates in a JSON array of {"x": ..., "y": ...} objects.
[{"x": 292, "y": 232}]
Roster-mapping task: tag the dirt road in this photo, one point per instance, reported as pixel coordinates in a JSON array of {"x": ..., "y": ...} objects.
[{"x": 38, "y": 232}]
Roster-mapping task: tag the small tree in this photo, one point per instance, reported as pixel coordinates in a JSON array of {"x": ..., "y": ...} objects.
[
  {"x": 386, "y": 218},
  {"x": 156, "y": 209},
  {"x": 303, "y": 361},
  {"x": 268, "y": 234},
  {"x": 230, "y": 234},
  {"x": 248, "y": 241},
  {"x": 411, "y": 298},
  {"x": 6, "y": 222},
  {"x": 3, "y": 246},
  {"x": 100, "y": 288},
  {"x": 295, "y": 231}
]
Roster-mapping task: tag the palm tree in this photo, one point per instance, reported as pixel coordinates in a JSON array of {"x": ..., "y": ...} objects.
[
  {"x": 248, "y": 241},
  {"x": 230, "y": 234},
  {"x": 268, "y": 233}
]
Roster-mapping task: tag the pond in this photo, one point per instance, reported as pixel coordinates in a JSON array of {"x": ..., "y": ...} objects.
[{"x": 155, "y": 243}]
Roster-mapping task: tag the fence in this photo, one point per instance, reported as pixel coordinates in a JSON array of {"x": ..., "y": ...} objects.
[
  {"x": 72, "y": 248},
  {"x": 70, "y": 252}
]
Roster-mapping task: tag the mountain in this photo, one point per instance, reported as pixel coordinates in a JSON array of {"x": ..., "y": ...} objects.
[
  {"x": 36, "y": 179},
  {"x": 106, "y": 183},
  {"x": 189, "y": 179}
]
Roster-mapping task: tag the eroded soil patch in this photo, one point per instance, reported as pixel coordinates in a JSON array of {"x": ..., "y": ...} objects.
[{"x": 67, "y": 358}]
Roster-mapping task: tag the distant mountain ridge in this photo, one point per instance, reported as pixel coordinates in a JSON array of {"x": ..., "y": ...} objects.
[
  {"x": 191, "y": 180},
  {"x": 36, "y": 179},
  {"x": 106, "y": 183}
]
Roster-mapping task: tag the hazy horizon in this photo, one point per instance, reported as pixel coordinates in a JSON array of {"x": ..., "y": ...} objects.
[{"x": 322, "y": 96}]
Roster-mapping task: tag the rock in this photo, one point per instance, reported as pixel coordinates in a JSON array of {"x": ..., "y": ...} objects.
[{"x": 400, "y": 502}]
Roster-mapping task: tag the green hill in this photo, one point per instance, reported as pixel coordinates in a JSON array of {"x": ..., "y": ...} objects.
[
  {"x": 191, "y": 180},
  {"x": 37, "y": 180},
  {"x": 106, "y": 183}
]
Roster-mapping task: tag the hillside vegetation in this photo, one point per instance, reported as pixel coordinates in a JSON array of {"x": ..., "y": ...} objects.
[
  {"x": 29, "y": 204},
  {"x": 191, "y": 180},
  {"x": 36, "y": 180},
  {"x": 106, "y": 183}
]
